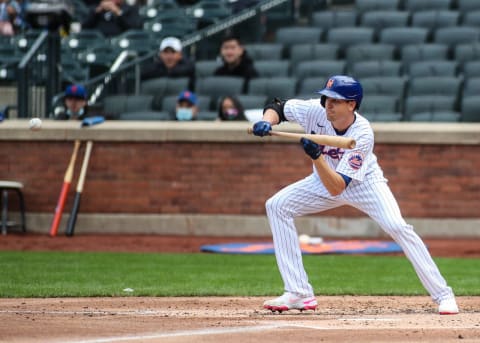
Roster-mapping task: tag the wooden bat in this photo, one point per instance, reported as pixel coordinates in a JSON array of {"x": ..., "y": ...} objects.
[
  {"x": 81, "y": 181},
  {"x": 339, "y": 142},
  {"x": 67, "y": 180}
]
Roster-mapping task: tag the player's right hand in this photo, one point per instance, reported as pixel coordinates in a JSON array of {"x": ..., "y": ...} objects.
[{"x": 262, "y": 128}]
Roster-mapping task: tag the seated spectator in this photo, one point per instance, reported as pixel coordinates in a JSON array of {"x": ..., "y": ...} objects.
[
  {"x": 75, "y": 104},
  {"x": 230, "y": 108},
  {"x": 170, "y": 62},
  {"x": 186, "y": 108},
  {"x": 113, "y": 17},
  {"x": 236, "y": 61},
  {"x": 10, "y": 11}
]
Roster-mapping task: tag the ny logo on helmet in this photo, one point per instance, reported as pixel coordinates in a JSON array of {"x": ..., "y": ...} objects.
[{"x": 329, "y": 83}]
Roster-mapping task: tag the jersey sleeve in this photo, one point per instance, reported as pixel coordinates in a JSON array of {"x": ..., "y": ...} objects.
[
  {"x": 298, "y": 111},
  {"x": 354, "y": 162}
]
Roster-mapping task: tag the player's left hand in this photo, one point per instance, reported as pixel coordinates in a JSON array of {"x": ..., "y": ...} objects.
[
  {"x": 312, "y": 149},
  {"x": 262, "y": 128}
]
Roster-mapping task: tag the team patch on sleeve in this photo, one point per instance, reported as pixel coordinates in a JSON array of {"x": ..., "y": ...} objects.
[{"x": 355, "y": 159}]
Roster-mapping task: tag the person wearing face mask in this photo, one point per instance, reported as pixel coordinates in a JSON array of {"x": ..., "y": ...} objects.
[
  {"x": 75, "y": 104},
  {"x": 230, "y": 108},
  {"x": 186, "y": 108}
]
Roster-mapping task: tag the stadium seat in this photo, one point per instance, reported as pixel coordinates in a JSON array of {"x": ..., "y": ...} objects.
[
  {"x": 348, "y": 36},
  {"x": 466, "y": 52},
  {"x": 432, "y": 68},
  {"x": 364, "y": 69},
  {"x": 428, "y": 103},
  {"x": 384, "y": 117},
  {"x": 206, "y": 68},
  {"x": 145, "y": 115},
  {"x": 379, "y": 20},
  {"x": 309, "y": 52},
  {"x": 264, "y": 51},
  {"x": 319, "y": 69},
  {"x": 378, "y": 104},
  {"x": 86, "y": 38},
  {"x": 370, "y": 52},
  {"x": 207, "y": 115},
  {"x": 139, "y": 41},
  {"x": 376, "y": 5},
  {"x": 309, "y": 86},
  {"x": 435, "y": 116},
  {"x": 250, "y": 101},
  {"x": 288, "y": 36},
  {"x": 273, "y": 68},
  {"x": 434, "y": 85},
  {"x": 161, "y": 87},
  {"x": 435, "y": 19},
  {"x": 384, "y": 85},
  {"x": 138, "y": 103},
  {"x": 281, "y": 87},
  {"x": 423, "y": 52},
  {"x": 465, "y": 6},
  {"x": 425, "y": 5},
  {"x": 471, "y": 87},
  {"x": 471, "y": 18},
  {"x": 400, "y": 36},
  {"x": 470, "y": 109},
  {"x": 336, "y": 18},
  {"x": 471, "y": 69},
  {"x": 456, "y": 35},
  {"x": 217, "y": 86}
]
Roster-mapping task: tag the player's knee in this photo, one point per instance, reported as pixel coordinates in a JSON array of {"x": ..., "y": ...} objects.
[{"x": 272, "y": 206}]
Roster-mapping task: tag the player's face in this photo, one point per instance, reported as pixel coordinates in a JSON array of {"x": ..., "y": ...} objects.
[{"x": 338, "y": 109}]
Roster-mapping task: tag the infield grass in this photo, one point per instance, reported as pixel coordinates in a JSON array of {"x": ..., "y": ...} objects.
[{"x": 61, "y": 274}]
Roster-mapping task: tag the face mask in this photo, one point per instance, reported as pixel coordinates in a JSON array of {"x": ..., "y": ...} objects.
[
  {"x": 230, "y": 114},
  {"x": 78, "y": 114},
  {"x": 184, "y": 114}
]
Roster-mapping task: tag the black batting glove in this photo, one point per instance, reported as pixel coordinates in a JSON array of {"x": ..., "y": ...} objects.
[{"x": 312, "y": 149}]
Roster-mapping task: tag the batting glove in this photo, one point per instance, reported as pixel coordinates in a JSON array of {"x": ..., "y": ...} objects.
[
  {"x": 262, "y": 128},
  {"x": 312, "y": 149}
]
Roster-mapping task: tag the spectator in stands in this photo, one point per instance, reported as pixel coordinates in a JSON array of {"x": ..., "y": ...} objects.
[
  {"x": 230, "y": 108},
  {"x": 113, "y": 17},
  {"x": 186, "y": 108},
  {"x": 10, "y": 11},
  {"x": 236, "y": 61},
  {"x": 170, "y": 62},
  {"x": 75, "y": 104}
]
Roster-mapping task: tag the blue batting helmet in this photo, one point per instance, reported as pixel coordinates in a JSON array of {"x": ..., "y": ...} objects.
[{"x": 342, "y": 87}]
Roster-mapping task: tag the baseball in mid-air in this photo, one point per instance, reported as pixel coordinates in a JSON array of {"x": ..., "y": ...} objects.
[
  {"x": 35, "y": 124},
  {"x": 304, "y": 239}
]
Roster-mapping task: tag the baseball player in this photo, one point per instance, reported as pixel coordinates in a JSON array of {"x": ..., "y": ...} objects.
[{"x": 340, "y": 177}]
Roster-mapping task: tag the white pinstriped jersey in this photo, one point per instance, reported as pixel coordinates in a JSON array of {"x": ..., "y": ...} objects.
[{"x": 360, "y": 163}]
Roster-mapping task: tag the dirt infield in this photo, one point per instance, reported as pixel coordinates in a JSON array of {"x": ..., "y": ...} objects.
[{"x": 224, "y": 319}]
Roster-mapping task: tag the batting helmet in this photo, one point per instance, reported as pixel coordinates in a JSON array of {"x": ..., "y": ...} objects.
[{"x": 342, "y": 87}]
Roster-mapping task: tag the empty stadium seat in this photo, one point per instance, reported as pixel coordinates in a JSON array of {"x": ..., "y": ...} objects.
[
  {"x": 470, "y": 109},
  {"x": 370, "y": 52},
  {"x": 319, "y": 68},
  {"x": 272, "y": 68},
  {"x": 383, "y": 117},
  {"x": 348, "y": 36},
  {"x": 433, "y": 68},
  {"x": 400, "y": 36},
  {"x": 428, "y": 103},
  {"x": 336, "y": 18},
  {"x": 471, "y": 69},
  {"x": 217, "y": 86},
  {"x": 309, "y": 86},
  {"x": 434, "y": 85},
  {"x": 384, "y": 85},
  {"x": 456, "y": 35},
  {"x": 145, "y": 115},
  {"x": 308, "y": 52},
  {"x": 281, "y": 87},
  {"x": 364, "y": 69},
  {"x": 376, "y": 5},
  {"x": 264, "y": 51},
  {"x": 467, "y": 52},
  {"x": 378, "y": 104},
  {"x": 206, "y": 68},
  {"x": 435, "y": 116},
  {"x": 471, "y": 87},
  {"x": 424, "y": 5},
  {"x": 251, "y": 101},
  {"x": 288, "y": 36},
  {"x": 423, "y": 52},
  {"x": 379, "y": 20},
  {"x": 471, "y": 18},
  {"x": 465, "y": 6},
  {"x": 435, "y": 19}
]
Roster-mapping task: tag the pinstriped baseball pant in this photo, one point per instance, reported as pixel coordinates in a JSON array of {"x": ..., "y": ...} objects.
[{"x": 309, "y": 196}]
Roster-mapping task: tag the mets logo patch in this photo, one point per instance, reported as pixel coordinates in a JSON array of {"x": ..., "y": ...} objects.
[{"x": 355, "y": 160}]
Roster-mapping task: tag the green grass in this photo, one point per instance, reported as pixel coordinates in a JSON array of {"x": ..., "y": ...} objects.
[{"x": 59, "y": 274}]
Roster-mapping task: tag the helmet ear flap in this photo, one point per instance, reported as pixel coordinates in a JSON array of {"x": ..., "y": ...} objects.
[{"x": 323, "y": 98}]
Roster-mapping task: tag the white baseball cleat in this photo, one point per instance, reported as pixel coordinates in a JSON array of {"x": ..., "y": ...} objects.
[
  {"x": 290, "y": 301},
  {"x": 448, "y": 306}
]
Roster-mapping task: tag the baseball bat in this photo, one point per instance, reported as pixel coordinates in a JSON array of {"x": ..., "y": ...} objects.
[
  {"x": 339, "y": 142},
  {"x": 67, "y": 180},
  {"x": 81, "y": 181}
]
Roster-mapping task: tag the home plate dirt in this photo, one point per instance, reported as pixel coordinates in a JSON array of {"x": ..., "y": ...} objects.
[{"x": 235, "y": 320}]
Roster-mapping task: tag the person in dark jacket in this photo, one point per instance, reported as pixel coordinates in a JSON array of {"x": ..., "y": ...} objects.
[
  {"x": 236, "y": 61},
  {"x": 170, "y": 62},
  {"x": 113, "y": 17}
]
